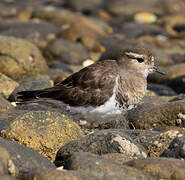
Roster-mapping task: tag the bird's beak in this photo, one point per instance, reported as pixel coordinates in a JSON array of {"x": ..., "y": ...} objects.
[{"x": 156, "y": 69}]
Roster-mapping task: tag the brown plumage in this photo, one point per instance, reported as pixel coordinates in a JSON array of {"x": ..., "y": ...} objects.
[{"x": 95, "y": 84}]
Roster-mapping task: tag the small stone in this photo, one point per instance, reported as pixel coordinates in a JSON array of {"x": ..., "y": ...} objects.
[{"x": 145, "y": 17}]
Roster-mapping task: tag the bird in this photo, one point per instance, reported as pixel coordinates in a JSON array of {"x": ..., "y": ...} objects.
[{"x": 107, "y": 86}]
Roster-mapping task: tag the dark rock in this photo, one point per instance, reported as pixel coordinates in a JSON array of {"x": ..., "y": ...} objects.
[
  {"x": 31, "y": 83},
  {"x": 60, "y": 65},
  {"x": 34, "y": 128},
  {"x": 160, "y": 142},
  {"x": 19, "y": 58},
  {"x": 178, "y": 84},
  {"x": 178, "y": 58},
  {"x": 176, "y": 148},
  {"x": 63, "y": 175},
  {"x": 102, "y": 168},
  {"x": 160, "y": 168},
  {"x": 84, "y": 6},
  {"x": 26, "y": 160},
  {"x": 57, "y": 75},
  {"x": 128, "y": 8},
  {"x": 98, "y": 121},
  {"x": 161, "y": 90},
  {"x": 102, "y": 142},
  {"x": 66, "y": 51},
  {"x": 7, "y": 85},
  {"x": 172, "y": 72},
  {"x": 113, "y": 45},
  {"x": 38, "y": 33},
  {"x": 135, "y": 30},
  {"x": 157, "y": 117}
]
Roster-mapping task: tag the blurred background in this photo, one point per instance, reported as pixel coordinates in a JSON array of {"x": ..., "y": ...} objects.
[{"x": 57, "y": 37}]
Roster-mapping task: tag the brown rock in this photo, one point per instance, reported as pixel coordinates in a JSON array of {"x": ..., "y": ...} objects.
[
  {"x": 157, "y": 117},
  {"x": 74, "y": 25},
  {"x": 20, "y": 58},
  {"x": 7, "y": 85},
  {"x": 161, "y": 168},
  {"x": 35, "y": 129},
  {"x": 5, "y": 105}
]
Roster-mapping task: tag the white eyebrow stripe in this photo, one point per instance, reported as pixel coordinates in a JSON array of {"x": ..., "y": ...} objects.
[{"x": 134, "y": 54}]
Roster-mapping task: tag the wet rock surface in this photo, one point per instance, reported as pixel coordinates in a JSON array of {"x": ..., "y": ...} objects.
[{"x": 44, "y": 41}]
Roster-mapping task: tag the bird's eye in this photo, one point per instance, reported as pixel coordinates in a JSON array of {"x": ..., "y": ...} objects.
[{"x": 140, "y": 60}]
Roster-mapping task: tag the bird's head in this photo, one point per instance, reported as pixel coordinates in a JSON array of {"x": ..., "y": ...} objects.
[{"x": 140, "y": 60}]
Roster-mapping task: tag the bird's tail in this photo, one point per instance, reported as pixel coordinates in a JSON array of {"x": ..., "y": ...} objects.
[{"x": 37, "y": 94}]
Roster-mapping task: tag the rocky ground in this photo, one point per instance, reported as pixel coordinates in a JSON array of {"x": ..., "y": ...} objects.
[{"x": 44, "y": 41}]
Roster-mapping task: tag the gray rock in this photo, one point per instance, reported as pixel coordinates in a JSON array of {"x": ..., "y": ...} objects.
[
  {"x": 128, "y": 8},
  {"x": 38, "y": 33},
  {"x": 63, "y": 175},
  {"x": 66, "y": 51},
  {"x": 26, "y": 160},
  {"x": 102, "y": 142},
  {"x": 161, "y": 90},
  {"x": 176, "y": 148},
  {"x": 102, "y": 168},
  {"x": 136, "y": 30}
]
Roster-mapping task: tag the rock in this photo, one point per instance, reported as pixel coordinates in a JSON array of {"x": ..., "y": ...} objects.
[
  {"x": 7, "y": 85},
  {"x": 34, "y": 82},
  {"x": 176, "y": 148},
  {"x": 160, "y": 142},
  {"x": 34, "y": 128},
  {"x": 127, "y": 8},
  {"x": 177, "y": 58},
  {"x": 174, "y": 24},
  {"x": 161, "y": 90},
  {"x": 7, "y": 167},
  {"x": 102, "y": 168},
  {"x": 73, "y": 24},
  {"x": 26, "y": 160},
  {"x": 160, "y": 168},
  {"x": 117, "y": 158},
  {"x": 57, "y": 75},
  {"x": 63, "y": 175},
  {"x": 83, "y": 5},
  {"x": 39, "y": 33},
  {"x": 102, "y": 142},
  {"x": 99, "y": 121},
  {"x": 61, "y": 66},
  {"x": 178, "y": 84},
  {"x": 66, "y": 51},
  {"x": 4, "y": 104},
  {"x": 20, "y": 58},
  {"x": 157, "y": 117},
  {"x": 145, "y": 17},
  {"x": 173, "y": 6},
  {"x": 172, "y": 72},
  {"x": 136, "y": 30}
]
